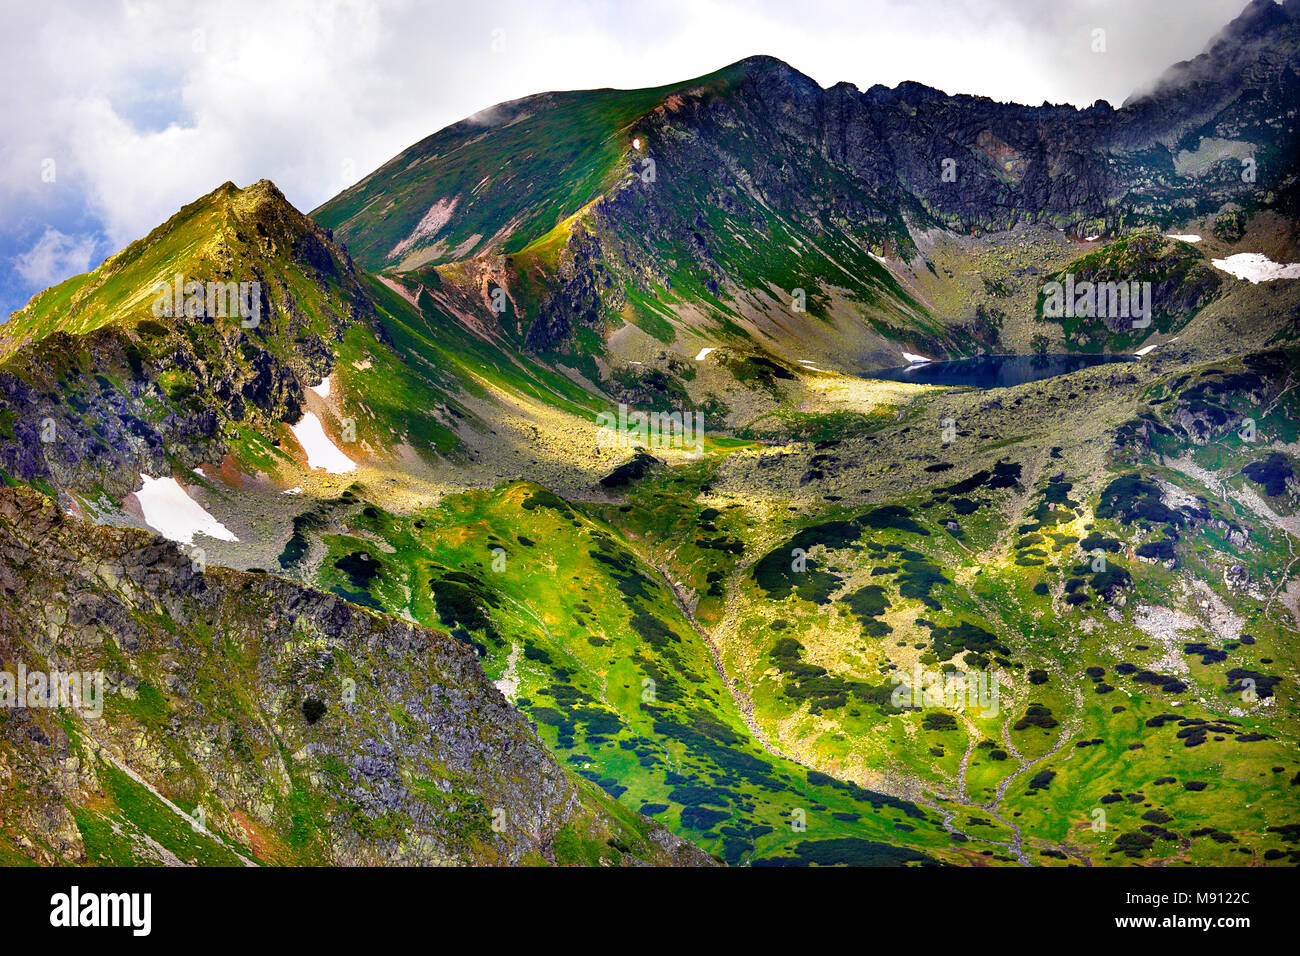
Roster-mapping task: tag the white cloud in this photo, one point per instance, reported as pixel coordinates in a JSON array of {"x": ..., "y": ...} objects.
[{"x": 54, "y": 258}]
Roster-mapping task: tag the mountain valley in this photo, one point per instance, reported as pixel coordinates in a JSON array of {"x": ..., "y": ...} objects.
[{"x": 373, "y": 577}]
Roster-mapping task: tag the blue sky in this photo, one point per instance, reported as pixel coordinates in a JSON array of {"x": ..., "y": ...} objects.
[{"x": 117, "y": 113}]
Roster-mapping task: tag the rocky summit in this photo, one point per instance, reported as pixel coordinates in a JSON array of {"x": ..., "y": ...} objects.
[{"x": 739, "y": 471}]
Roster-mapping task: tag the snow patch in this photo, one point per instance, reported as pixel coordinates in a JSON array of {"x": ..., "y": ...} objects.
[
  {"x": 913, "y": 359},
  {"x": 1189, "y": 237},
  {"x": 704, "y": 352},
  {"x": 174, "y": 514},
  {"x": 1257, "y": 267},
  {"x": 1144, "y": 350},
  {"x": 321, "y": 452},
  {"x": 323, "y": 389}
]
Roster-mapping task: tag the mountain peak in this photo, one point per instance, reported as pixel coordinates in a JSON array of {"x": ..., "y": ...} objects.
[
  {"x": 762, "y": 62},
  {"x": 1259, "y": 16},
  {"x": 263, "y": 188},
  {"x": 222, "y": 230},
  {"x": 1264, "y": 34},
  {"x": 765, "y": 67}
]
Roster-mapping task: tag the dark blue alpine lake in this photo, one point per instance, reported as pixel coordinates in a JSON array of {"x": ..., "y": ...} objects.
[{"x": 994, "y": 371}]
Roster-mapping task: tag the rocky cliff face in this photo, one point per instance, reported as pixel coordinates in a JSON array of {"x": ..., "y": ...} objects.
[
  {"x": 1236, "y": 89},
  {"x": 247, "y": 719}
]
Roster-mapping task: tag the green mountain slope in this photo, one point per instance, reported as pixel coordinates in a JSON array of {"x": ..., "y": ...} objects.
[
  {"x": 611, "y": 669},
  {"x": 452, "y": 194},
  {"x": 248, "y": 720},
  {"x": 416, "y": 496}
]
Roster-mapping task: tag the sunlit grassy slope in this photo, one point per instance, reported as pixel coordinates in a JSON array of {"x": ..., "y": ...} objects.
[
  {"x": 562, "y": 149},
  {"x": 592, "y": 644}
]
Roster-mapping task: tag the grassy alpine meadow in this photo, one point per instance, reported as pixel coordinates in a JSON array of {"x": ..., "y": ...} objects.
[{"x": 590, "y": 641}]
